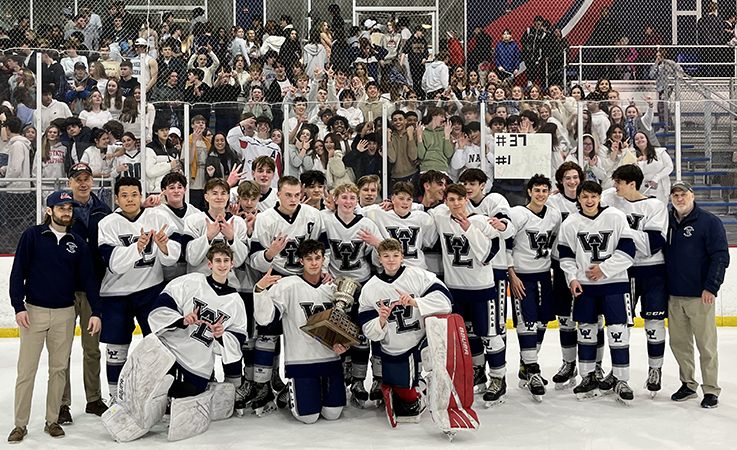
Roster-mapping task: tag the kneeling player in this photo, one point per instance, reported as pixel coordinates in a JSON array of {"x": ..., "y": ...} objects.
[
  {"x": 314, "y": 371},
  {"x": 392, "y": 308},
  {"x": 529, "y": 274},
  {"x": 596, "y": 249}
]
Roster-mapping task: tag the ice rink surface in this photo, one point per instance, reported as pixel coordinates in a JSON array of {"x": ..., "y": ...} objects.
[{"x": 559, "y": 422}]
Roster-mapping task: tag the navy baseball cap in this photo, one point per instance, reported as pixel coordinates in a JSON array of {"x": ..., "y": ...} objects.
[
  {"x": 59, "y": 198},
  {"x": 78, "y": 169}
]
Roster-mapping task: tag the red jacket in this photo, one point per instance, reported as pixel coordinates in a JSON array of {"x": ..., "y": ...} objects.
[{"x": 457, "y": 58}]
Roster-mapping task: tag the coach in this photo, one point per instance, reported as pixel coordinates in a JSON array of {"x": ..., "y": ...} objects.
[
  {"x": 51, "y": 262},
  {"x": 696, "y": 257}
]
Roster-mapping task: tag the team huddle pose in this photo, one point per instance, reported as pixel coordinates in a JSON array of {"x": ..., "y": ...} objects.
[{"x": 239, "y": 280}]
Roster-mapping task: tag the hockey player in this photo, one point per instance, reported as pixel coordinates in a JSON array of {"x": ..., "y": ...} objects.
[
  {"x": 414, "y": 229},
  {"x": 353, "y": 242},
  {"x": 392, "y": 309},
  {"x": 215, "y": 225},
  {"x": 173, "y": 188},
  {"x": 648, "y": 220},
  {"x": 264, "y": 170},
  {"x": 433, "y": 185},
  {"x": 567, "y": 178},
  {"x": 495, "y": 207},
  {"x": 250, "y": 138},
  {"x": 369, "y": 187},
  {"x": 314, "y": 371},
  {"x": 596, "y": 249},
  {"x": 529, "y": 276},
  {"x": 283, "y": 228},
  {"x": 135, "y": 245},
  {"x": 468, "y": 245}
]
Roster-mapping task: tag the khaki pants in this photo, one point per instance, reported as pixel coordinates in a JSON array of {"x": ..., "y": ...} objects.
[
  {"x": 90, "y": 352},
  {"x": 689, "y": 319},
  {"x": 55, "y": 327}
]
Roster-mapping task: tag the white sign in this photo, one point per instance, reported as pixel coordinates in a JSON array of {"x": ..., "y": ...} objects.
[{"x": 522, "y": 155}]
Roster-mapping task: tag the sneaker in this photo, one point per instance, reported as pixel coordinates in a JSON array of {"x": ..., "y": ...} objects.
[
  {"x": 653, "y": 379},
  {"x": 97, "y": 408},
  {"x": 479, "y": 378},
  {"x": 54, "y": 430},
  {"x": 684, "y": 393},
  {"x": 17, "y": 435},
  {"x": 65, "y": 415},
  {"x": 710, "y": 401}
]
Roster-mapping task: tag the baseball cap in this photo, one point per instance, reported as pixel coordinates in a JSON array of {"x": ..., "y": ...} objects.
[
  {"x": 59, "y": 198},
  {"x": 78, "y": 169},
  {"x": 80, "y": 66},
  {"x": 175, "y": 130},
  {"x": 67, "y": 12},
  {"x": 141, "y": 41},
  {"x": 683, "y": 185},
  {"x": 369, "y": 23}
]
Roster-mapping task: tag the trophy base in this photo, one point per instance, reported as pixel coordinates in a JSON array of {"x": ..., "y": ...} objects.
[{"x": 332, "y": 327}]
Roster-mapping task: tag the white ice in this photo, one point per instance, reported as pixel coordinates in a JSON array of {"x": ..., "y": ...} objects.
[{"x": 559, "y": 422}]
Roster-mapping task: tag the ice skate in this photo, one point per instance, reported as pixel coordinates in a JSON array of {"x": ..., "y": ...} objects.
[
  {"x": 588, "y": 388},
  {"x": 282, "y": 397},
  {"x": 566, "y": 376},
  {"x": 524, "y": 375},
  {"x": 407, "y": 412},
  {"x": 653, "y": 381},
  {"x": 359, "y": 396},
  {"x": 624, "y": 392},
  {"x": 263, "y": 403},
  {"x": 375, "y": 394},
  {"x": 243, "y": 397},
  {"x": 494, "y": 395},
  {"x": 479, "y": 379},
  {"x": 606, "y": 385},
  {"x": 348, "y": 371},
  {"x": 277, "y": 384}
]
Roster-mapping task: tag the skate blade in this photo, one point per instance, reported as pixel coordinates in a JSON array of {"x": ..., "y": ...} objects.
[
  {"x": 583, "y": 396},
  {"x": 479, "y": 388},
  {"x": 358, "y": 403},
  {"x": 240, "y": 412},
  {"x": 494, "y": 403},
  {"x": 450, "y": 435},
  {"x": 265, "y": 410},
  {"x": 522, "y": 384},
  {"x": 623, "y": 401},
  {"x": 537, "y": 398},
  {"x": 653, "y": 394},
  {"x": 607, "y": 392},
  {"x": 566, "y": 385},
  {"x": 408, "y": 419}
]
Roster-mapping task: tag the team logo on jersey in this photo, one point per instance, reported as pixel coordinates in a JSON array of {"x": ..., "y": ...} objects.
[
  {"x": 347, "y": 253},
  {"x": 617, "y": 336},
  {"x": 147, "y": 258},
  {"x": 71, "y": 247},
  {"x": 596, "y": 244},
  {"x": 651, "y": 334},
  {"x": 459, "y": 247},
  {"x": 585, "y": 333},
  {"x": 407, "y": 237},
  {"x": 688, "y": 231},
  {"x": 310, "y": 308},
  {"x": 634, "y": 220},
  {"x": 540, "y": 242},
  {"x": 202, "y": 333},
  {"x": 290, "y": 252},
  {"x": 401, "y": 316}
]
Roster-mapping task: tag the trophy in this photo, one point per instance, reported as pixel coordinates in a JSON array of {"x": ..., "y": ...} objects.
[{"x": 334, "y": 326}]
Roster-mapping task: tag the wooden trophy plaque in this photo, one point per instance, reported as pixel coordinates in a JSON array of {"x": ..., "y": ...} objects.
[{"x": 334, "y": 326}]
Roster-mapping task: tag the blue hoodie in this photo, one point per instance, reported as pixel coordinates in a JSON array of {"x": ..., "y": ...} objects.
[{"x": 696, "y": 253}]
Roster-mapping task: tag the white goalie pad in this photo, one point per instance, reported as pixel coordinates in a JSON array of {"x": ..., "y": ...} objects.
[
  {"x": 450, "y": 382},
  {"x": 121, "y": 425},
  {"x": 190, "y": 416},
  {"x": 223, "y": 400}
]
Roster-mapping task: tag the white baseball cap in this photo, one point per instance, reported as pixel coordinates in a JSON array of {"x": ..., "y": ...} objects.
[
  {"x": 369, "y": 23},
  {"x": 175, "y": 130},
  {"x": 141, "y": 41}
]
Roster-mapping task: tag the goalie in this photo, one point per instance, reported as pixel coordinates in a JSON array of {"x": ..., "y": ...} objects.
[{"x": 194, "y": 318}]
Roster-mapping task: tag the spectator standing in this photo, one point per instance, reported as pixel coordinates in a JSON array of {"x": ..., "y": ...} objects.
[
  {"x": 434, "y": 147},
  {"x": 696, "y": 258},
  {"x": 415, "y": 51},
  {"x": 532, "y": 43}
]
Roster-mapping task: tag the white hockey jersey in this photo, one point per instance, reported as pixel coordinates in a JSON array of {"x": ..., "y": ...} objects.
[
  {"x": 566, "y": 206},
  {"x": 194, "y": 346},
  {"x": 176, "y": 217},
  {"x": 197, "y": 244},
  {"x": 604, "y": 239},
  {"x": 132, "y": 160},
  {"x": 349, "y": 255},
  {"x": 415, "y": 231},
  {"x": 467, "y": 254},
  {"x": 533, "y": 242},
  {"x": 405, "y": 327},
  {"x": 267, "y": 200},
  {"x": 251, "y": 147},
  {"x": 495, "y": 205},
  {"x": 306, "y": 223},
  {"x": 648, "y": 221},
  {"x": 294, "y": 300},
  {"x": 129, "y": 271}
]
